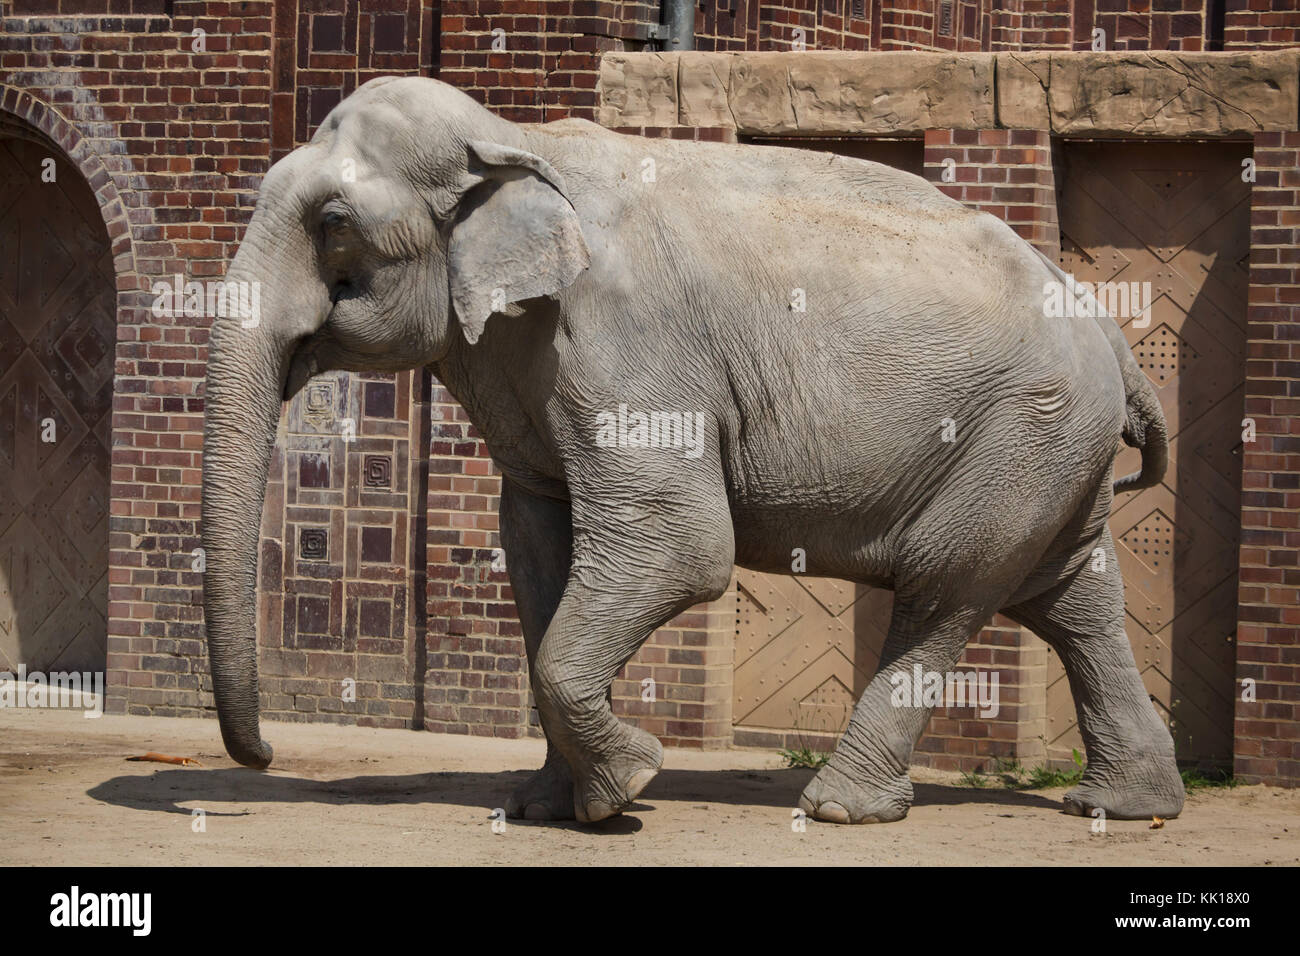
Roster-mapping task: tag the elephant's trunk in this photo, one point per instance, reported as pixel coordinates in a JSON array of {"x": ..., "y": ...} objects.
[{"x": 247, "y": 367}]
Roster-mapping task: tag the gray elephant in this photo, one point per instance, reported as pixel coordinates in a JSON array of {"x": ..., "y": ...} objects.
[{"x": 752, "y": 351}]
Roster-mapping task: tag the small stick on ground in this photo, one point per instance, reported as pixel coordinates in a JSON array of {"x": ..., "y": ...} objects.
[{"x": 164, "y": 758}]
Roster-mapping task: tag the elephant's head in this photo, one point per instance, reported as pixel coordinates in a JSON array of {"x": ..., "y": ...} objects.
[{"x": 412, "y": 215}]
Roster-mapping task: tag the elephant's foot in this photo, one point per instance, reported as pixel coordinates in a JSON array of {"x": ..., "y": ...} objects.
[
  {"x": 1138, "y": 790},
  {"x": 607, "y": 787},
  {"x": 836, "y": 797},
  {"x": 546, "y": 795}
]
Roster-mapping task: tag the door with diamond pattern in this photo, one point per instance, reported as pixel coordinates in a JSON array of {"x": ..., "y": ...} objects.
[
  {"x": 1175, "y": 215},
  {"x": 57, "y": 336},
  {"x": 805, "y": 649}
]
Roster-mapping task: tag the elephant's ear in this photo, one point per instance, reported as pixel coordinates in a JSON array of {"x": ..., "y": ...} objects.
[{"x": 515, "y": 236}]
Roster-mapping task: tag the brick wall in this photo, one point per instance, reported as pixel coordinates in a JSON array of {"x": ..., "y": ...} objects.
[
  {"x": 816, "y": 24},
  {"x": 1008, "y": 173},
  {"x": 1044, "y": 25},
  {"x": 958, "y": 738},
  {"x": 546, "y": 55},
  {"x": 173, "y": 140},
  {"x": 1164, "y": 25},
  {"x": 342, "y": 580},
  {"x": 325, "y": 49},
  {"x": 735, "y": 26},
  {"x": 477, "y": 673},
  {"x": 1268, "y": 634},
  {"x": 174, "y": 135},
  {"x": 1255, "y": 24},
  {"x": 71, "y": 8},
  {"x": 678, "y": 685}
]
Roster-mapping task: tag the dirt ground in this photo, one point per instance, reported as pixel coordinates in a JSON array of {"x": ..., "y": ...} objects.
[{"x": 349, "y": 796}]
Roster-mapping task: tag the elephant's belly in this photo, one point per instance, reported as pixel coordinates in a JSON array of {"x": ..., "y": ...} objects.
[{"x": 782, "y": 540}]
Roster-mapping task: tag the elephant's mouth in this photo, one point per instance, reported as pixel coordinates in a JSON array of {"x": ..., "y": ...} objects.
[{"x": 301, "y": 368}]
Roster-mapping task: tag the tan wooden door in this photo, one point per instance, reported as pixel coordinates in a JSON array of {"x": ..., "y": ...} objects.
[
  {"x": 1177, "y": 216},
  {"x": 805, "y": 649},
  {"x": 57, "y": 337}
]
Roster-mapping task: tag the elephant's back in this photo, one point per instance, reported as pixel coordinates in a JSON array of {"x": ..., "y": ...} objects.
[{"x": 790, "y": 251}]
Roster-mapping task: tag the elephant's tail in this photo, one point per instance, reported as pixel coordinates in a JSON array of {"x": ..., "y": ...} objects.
[
  {"x": 1144, "y": 419},
  {"x": 1144, "y": 426}
]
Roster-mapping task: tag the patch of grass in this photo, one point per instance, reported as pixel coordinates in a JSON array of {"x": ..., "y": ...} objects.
[
  {"x": 1045, "y": 778},
  {"x": 975, "y": 779},
  {"x": 1013, "y": 776},
  {"x": 805, "y": 757},
  {"x": 1201, "y": 780}
]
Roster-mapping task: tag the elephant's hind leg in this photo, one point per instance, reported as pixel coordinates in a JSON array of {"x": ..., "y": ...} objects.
[
  {"x": 866, "y": 781},
  {"x": 537, "y": 539},
  {"x": 1131, "y": 772}
]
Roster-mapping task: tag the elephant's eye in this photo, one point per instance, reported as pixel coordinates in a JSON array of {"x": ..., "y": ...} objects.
[{"x": 333, "y": 221}]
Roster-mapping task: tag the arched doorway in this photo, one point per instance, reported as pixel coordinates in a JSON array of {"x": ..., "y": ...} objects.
[{"x": 57, "y": 343}]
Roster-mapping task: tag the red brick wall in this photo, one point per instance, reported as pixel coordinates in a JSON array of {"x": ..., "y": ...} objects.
[
  {"x": 733, "y": 27},
  {"x": 1268, "y": 635},
  {"x": 325, "y": 49},
  {"x": 1254, "y": 24},
  {"x": 1042, "y": 25},
  {"x": 174, "y": 143},
  {"x": 679, "y": 685},
  {"x": 550, "y": 51},
  {"x": 343, "y": 576},
  {"x": 477, "y": 679},
  {"x": 1161, "y": 25},
  {"x": 825, "y": 25},
  {"x": 1008, "y": 173},
  {"x": 90, "y": 7}
]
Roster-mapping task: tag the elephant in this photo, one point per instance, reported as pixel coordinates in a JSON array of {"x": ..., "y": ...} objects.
[{"x": 751, "y": 350}]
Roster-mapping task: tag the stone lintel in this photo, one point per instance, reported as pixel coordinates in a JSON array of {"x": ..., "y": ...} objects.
[{"x": 1122, "y": 94}]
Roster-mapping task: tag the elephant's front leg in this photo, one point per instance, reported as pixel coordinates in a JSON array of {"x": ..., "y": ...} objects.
[
  {"x": 626, "y": 580},
  {"x": 537, "y": 537}
]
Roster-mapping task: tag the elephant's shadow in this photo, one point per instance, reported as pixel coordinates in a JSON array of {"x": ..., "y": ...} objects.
[{"x": 180, "y": 791}]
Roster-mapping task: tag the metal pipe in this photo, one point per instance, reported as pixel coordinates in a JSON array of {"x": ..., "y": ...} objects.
[{"x": 679, "y": 20}]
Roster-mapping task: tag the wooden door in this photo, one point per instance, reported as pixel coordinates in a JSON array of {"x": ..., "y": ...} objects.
[
  {"x": 805, "y": 649},
  {"x": 57, "y": 339},
  {"x": 1175, "y": 215}
]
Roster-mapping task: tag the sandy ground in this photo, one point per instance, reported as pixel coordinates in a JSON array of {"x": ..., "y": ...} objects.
[{"x": 348, "y": 796}]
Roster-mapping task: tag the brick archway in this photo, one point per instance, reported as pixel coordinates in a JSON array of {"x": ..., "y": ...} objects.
[{"x": 23, "y": 116}]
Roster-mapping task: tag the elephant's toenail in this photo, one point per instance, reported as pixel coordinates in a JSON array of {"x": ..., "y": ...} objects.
[
  {"x": 537, "y": 811},
  {"x": 596, "y": 811},
  {"x": 832, "y": 812},
  {"x": 637, "y": 782}
]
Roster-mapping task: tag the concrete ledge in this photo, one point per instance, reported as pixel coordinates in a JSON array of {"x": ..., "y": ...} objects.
[
  {"x": 1162, "y": 94},
  {"x": 1159, "y": 94}
]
